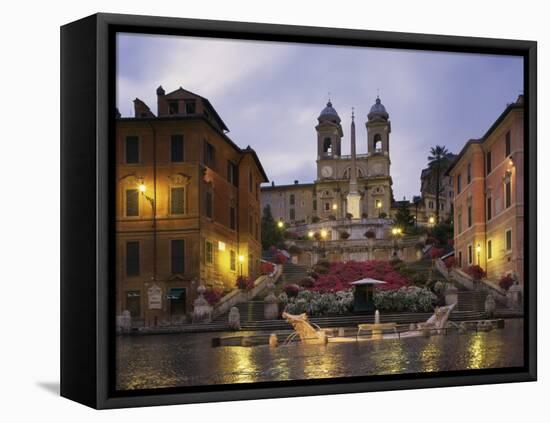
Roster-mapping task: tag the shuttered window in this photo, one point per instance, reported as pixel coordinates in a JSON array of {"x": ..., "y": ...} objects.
[
  {"x": 178, "y": 256},
  {"x": 132, "y": 258},
  {"x": 176, "y": 148},
  {"x": 177, "y": 200},
  {"x": 132, "y": 202},
  {"x": 132, "y": 149},
  {"x": 232, "y": 218}
]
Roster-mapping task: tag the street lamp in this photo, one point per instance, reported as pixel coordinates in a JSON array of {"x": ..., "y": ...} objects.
[
  {"x": 241, "y": 260},
  {"x": 396, "y": 232},
  {"x": 311, "y": 234},
  {"x": 280, "y": 224},
  {"x": 324, "y": 233},
  {"x": 379, "y": 206},
  {"x": 431, "y": 220}
]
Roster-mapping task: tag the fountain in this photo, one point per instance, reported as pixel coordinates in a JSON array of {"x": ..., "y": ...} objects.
[{"x": 304, "y": 329}]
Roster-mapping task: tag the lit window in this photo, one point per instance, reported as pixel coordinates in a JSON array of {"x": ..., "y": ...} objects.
[
  {"x": 177, "y": 200},
  {"x": 489, "y": 249},
  {"x": 132, "y": 202},
  {"x": 508, "y": 241},
  {"x": 208, "y": 252}
]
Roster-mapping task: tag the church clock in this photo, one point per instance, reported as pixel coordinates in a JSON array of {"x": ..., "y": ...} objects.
[{"x": 326, "y": 171}]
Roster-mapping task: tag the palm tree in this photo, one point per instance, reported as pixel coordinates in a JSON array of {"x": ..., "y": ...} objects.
[{"x": 438, "y": 161}]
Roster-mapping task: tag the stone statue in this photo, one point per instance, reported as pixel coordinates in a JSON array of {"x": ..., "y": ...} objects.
[
  {"x": 271, "y": 306},
  {"x": 490, "y": 305},
  {"x": 202, "y": 310},
  {"x": 234, "y": 318}
]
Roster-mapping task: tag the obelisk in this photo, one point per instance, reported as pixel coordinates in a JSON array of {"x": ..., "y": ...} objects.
[{"x": 353, "y": 198}]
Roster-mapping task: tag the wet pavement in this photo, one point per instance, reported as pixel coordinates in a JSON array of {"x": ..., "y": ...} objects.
[{"x": 159, "y": 361}]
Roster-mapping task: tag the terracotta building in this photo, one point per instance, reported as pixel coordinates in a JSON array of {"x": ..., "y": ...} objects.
[
  {"x": 187, "y": 210},
  {"x": 489, "y": 199}
]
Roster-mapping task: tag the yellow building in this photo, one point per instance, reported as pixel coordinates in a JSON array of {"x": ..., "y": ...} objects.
[{"x": 187, "y": 211}]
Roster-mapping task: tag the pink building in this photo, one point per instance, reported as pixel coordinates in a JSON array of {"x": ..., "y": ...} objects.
[{"x": 488, "y": 198}]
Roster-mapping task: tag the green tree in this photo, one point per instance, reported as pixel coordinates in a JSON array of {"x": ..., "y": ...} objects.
[
  {"x": 271, "y": 234},
  {"x": 403, "y": 217},
  {"x": 438, "y": 161}
]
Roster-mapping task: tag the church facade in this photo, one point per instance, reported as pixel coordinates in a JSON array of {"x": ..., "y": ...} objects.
[{"x": 357, "y": 186}]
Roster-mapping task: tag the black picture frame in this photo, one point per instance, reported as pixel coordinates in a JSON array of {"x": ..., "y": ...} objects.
[{"x": 87, "y": 115}]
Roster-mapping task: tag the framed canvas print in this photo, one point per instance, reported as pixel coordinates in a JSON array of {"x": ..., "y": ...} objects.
[{"x": 255, "y": 211}]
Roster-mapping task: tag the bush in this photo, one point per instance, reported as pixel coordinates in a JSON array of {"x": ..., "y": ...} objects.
[
  {"x": 291, "y": 290},
  {"x": 410, "y": 299},
  {"x": 283, "y": 298},
  {"x": 245, "y": 283},
  {"x": 320, "y": 304},
  {"x": 337, "y": 276},
  {"x": 273, "y": 249},
  {"x": 440, "y": 287},
  {"x": 332, "y": 217},
  {"x": 267, "y": 268},
  {"x": 291, "y": 235},
  {"x": 450, "y": 262},
  {"x": 364, "y": 215},
  {"x": 313, "y": 274},
  {"x": 430, "y": 240},
  {"x": 419, "y": 246},
  {"x": 307, "y": 282},
  {"x": 436, "y": 252},
  {"x": 294, "y": 249},
  {"x": 315, "y": 219},
  {"x": 476, "y": 272},
  {"x": 349, "y": 216},
  {"x": 212, "y": 295},
  {"x": 383, "y": 215},
  {"x": 280, "y": 258},
  {"x": 506, "y": 282},
  {"x": 344, "y": 235},
  {"x": 370, "y": 235}
]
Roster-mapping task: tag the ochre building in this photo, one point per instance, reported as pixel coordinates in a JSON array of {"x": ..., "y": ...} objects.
[{"x": 187, "y": 209}]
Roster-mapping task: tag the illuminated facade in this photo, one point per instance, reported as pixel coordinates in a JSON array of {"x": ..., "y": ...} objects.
[
  {"x": 489, "y": 198},
  {"x": 188, "y": 207}
]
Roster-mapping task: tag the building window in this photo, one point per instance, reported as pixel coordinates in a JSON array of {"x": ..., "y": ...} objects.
[
  {"x": 459, "y": 222},
  {"x": 209, "y": 154},
  {"x": 430, "y": 204},
  {"x": 292, "y": 214},
  {"x": 177, "y": 200},
  {"x": 132, "y": 202},
  {"x": 292, "y": 199},
  {"x": 209, "y": 204},
  {"x": 232, "y": 260},
  {"x": 232, "y": 218},
  {"x": 469, "y": 173},
  {"x": 327, "y": 206},
  {"x": 489, "y": 249},
  {"x": 133, "y": 303},
  {"x": 507, "y": 194},
  {"x": 377, "y": 143},
  {"x": 250, "y": 224},
  {"x": 489, "y": 208},
  {"x": 176, "y": 148},
  {"x": 327, "y": 146},
  {"x": 460, "y": 259},
  {"x": 173, "y": 107},
  {"x": 190, "y": 107},
  {"x": 178, "y": 256},
  {"x": 458, "y": 184},
  {"x": 208, "y": 252},
  {"x": 469, "y": 216},
  {"x": 132, "y": 149},
  {"x": 132, "y": 258},
  {"x": 470, "y": 254},
  {"x": 250, "y": 181},
  {"x": 508, "y": 144},
  {"x": 315, "y": 204},
  {"x": 232, "y": 176},
  {"x": 489, "y": 166},
  {"x": 508, "y": 240}
]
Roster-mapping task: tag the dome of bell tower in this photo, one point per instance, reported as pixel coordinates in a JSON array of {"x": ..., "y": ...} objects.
[{"x": 378, "y": 111}]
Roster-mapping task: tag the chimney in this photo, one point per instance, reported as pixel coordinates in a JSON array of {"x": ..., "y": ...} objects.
[
  {"x": 272, "y": 183},
  {"x": 296, "y": 182},
  {"x": 160, "y": 100}
]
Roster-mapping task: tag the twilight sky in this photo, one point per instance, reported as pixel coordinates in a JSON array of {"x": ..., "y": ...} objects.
[{"x": 270, "y": 95}]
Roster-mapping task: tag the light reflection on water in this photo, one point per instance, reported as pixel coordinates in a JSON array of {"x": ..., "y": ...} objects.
[{"x": 157, "y": 361}]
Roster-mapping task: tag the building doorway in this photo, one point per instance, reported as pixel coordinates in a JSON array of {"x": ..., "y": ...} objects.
[
  {"x": 177, "y": 298},
  {"x": 133, "y": 303}
]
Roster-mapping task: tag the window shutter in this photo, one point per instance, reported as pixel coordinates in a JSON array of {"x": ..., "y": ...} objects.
[
  {"x": 177, "y": 200},
  {"x": 132, "y": 258},
  {"x": 178, "y": 256},
  {"x": 132, "y": 202},
  {"x": 132, "y": 149}
]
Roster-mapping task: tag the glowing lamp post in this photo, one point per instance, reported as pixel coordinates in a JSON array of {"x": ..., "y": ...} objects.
[
  {"x": 431, "y": 221},
  {"x": 379, "y": 207},
  {"x": 241, "y": 261},
  {"x": 280, "y": 224}
]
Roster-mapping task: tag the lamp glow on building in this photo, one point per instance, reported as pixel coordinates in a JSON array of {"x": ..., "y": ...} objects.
[
  {"x": 221, "y": 246},
  {"x": 142, "y": 188},
  {"x": 378, "y": 205},
  {"x": 280, "y": 224},
  {"x": 478, "y": 250},
  {"x": 431, "y": 220},
  {"x": 310, "y": 234},
  {"x": 335, "y": 206},
  {"x": 324, "y": 234},
  {"x": 241, "y": 261}
]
